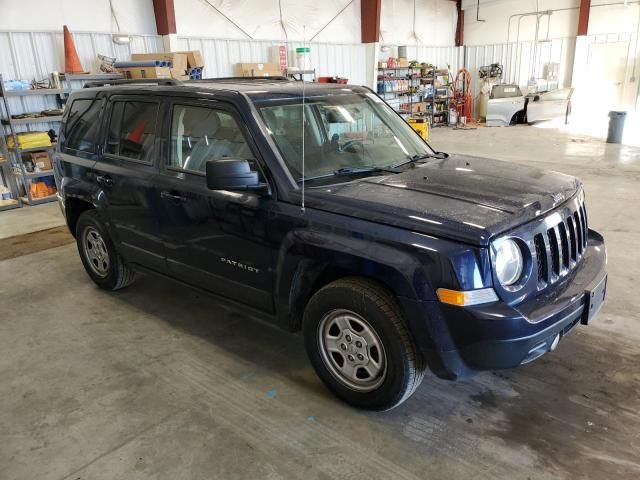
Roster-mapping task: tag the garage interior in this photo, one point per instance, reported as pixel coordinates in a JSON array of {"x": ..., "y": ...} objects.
[{"x": 160, "y": 381}]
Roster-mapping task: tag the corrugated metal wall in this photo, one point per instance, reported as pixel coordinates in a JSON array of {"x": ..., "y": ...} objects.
[
  {"x": 518, "y": 62},
  {"x": 438, "y": 56},
  {"x": 34, "y": 55},
  {"x": 329, "y": 59}
]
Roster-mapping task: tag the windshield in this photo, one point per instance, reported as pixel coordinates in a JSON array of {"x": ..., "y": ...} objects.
[{"x": 341, "y": 132}]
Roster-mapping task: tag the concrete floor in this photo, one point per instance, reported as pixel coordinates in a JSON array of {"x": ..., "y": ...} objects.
[
  {"x": 30, "y": 219},
  {"x": 159, "y": 382}
]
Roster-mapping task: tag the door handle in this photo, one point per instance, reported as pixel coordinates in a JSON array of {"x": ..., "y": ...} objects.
[
  {"x": 172, "y": 196},
  {"x": 104, "y": 180}
]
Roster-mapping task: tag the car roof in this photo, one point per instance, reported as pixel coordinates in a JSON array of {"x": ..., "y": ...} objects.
[{"x": 258, "y": 89}]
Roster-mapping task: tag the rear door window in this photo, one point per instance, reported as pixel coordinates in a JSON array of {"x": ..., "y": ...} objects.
[
  {"x": 82, "y": 125},
  {"x": 132, "y": 130}
]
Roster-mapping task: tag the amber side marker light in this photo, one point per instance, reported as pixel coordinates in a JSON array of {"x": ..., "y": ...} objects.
[{"x": 468, "y": 297}]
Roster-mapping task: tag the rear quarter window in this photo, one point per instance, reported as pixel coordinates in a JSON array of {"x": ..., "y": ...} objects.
[{"x": 82, "y": 125}]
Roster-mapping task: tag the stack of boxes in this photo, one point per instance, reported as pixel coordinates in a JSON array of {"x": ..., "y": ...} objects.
[
  {"x": 258, "y": 70},
  {"x": 178, "y": 65}
]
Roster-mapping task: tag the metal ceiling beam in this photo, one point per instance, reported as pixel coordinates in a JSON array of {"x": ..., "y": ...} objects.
[
  {"x": 583, "y": 18},
  {"x": 165, "y": 14},
  {"x": 459, "y": 24},
  {"x": 370, "y": 20}
]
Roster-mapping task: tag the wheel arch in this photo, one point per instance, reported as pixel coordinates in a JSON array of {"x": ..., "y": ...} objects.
[
  {"x": 74, "y": 207},
  {"x": 309, "y": 261}
]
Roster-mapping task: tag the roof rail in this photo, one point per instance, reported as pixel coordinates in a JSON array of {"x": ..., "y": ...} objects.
[
  {"x": 277, "y": 78},
  {"x": 136, "y": 81}
]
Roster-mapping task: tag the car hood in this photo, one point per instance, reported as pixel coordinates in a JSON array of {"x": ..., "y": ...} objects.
[{"x": 464, "y": 198}]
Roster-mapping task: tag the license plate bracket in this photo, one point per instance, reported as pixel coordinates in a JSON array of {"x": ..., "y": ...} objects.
[{"x": 594, "y": 299}]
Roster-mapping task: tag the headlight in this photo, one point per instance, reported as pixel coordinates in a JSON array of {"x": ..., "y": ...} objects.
[{"x": 509, "y": 262}]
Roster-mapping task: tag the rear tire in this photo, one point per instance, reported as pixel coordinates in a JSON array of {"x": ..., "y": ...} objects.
[
  {"x": 98, "y": 254},
  {"x": 360, "y": 346}
]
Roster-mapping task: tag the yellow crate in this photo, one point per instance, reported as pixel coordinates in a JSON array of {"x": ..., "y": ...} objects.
[{"x": 420, "y": 125}]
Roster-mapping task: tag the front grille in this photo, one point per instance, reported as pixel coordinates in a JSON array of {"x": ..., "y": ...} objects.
[
  {"x": 541, "y": 258},
  {"x": 560, "y": 248}
]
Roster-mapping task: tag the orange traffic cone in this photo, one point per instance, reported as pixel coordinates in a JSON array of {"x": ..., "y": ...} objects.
[
  {"x": 71, "y": 60},
  {"x": 136, "y": 134}
]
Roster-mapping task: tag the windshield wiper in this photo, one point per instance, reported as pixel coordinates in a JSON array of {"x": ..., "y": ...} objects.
[
  {"x": 346, "y": 171},
  {"x": 418, "y": 157}
]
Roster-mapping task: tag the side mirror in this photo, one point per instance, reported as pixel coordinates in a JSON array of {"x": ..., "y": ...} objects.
[{"x": 232, "y": 174}]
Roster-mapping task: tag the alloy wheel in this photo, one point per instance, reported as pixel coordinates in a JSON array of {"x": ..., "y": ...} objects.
[
  {"x": 96, "y": 252},
  {"x": 352, "y": 350}
]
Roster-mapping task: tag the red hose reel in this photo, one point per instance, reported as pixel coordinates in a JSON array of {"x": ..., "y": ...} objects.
[{"x": 462, "y": 98}]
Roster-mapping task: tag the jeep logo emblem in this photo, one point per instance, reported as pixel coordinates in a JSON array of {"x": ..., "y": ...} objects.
[{"x": 242, "y": 266}]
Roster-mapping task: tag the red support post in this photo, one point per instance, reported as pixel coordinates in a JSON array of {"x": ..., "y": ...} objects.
[
  {"x": 370, "y": 20},
  {"x": 165, "y": 13},
  {"x": 583, "y": 19},
  {"x": 460, "y": 24}
]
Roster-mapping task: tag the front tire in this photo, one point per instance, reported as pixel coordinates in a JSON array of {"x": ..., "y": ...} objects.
[
  {"x": 98, "y": 254},
  {"x": 360, "y": 346}
]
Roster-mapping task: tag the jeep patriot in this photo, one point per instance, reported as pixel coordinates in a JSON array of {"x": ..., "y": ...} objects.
[{"x": 316, "y": 207}]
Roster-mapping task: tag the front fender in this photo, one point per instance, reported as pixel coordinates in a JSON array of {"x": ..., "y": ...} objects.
[{"x": 306, "y": 254}]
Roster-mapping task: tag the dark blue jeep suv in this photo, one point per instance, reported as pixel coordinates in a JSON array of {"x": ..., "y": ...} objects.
[{"x": 317, "y": 208}]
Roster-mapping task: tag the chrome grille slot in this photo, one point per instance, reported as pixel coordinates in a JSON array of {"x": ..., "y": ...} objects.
[
  {"x": 541, "y": 258},
  {"x": 585, "y": 231},
  {"x": 554, "y": 250},
  {"x": 576, "y": 217},
  {"x": 564, "y": 245},
  {"x": 573, "y": 239},
  {"x": 559, "y": 249}
]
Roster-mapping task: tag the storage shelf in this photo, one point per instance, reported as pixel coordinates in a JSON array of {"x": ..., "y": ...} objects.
[
  {"x": 25, "y": 121},
  {"x": 34, "y": 149},
  {"x": 38, "y": 200},
  {"x": 37, "y": 91},
  {"x": 44, "y": 173},
  {"x": 9, "y": 204}
]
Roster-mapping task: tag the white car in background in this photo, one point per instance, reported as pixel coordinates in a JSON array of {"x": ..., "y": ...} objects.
[{"x": 508, "y": 106}]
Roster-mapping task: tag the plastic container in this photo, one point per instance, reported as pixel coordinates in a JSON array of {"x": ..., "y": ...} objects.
[
  {"x": 5, "y": 193},
  {"x": 616, "y": 126},
  {"x": 453, "y": 116},
  {"x": 17, "y": 85},
  {"x": 303, "y": 58}
]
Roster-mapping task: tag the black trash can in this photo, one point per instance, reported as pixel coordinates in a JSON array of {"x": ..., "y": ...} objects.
[{"x": 616, "y": 126}]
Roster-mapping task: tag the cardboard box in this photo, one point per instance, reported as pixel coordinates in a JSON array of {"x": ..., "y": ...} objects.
[
  {"x": 147, "y": 72},
  {"x": 41, "y": 160},
  {"x": 194, "y": 58},
  {"x": 403, "y": 62},
  {"x": 178, "y": 59},
  {"x": 258, "y": 70}
]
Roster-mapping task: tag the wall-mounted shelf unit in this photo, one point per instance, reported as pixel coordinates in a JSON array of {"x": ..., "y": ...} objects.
[
  {"x": 418, "y": 91},
  {"x": 31, "y": 186},
  {"x": 7, "y": 179},
  {"x": 16, "y": 172}
]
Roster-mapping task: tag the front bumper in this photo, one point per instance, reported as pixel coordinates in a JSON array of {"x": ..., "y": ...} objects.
[{"x": 460, "y": 341}]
